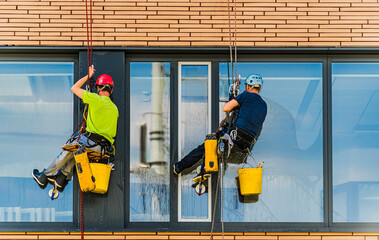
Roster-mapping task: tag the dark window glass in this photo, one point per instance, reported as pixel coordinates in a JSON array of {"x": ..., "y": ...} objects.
[
  {"x": 36, "y": 112},
  {"x": 150, "y": 141},
  {"x": 355, "y": 100},
  {"x": 290, "y": 146}
]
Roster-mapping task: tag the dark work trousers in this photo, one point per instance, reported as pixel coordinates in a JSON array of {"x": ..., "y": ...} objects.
[{"x": 196, "y": 154}]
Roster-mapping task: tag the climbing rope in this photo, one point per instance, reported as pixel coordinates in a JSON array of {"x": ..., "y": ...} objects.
[
  {"x": 89, "y": 88},
  {"x": 233, "y": 92},
  {"x": 235, "y": 38},
  {"x": 233, "y": 64},
  {"x": 230, "y": 41},
  {"x": 222, "y": 123},
  {"x": 220, "y": 152},
  {"x": 81, "y": 216},
  {"x": 89, "y": 35},
  {"x": 222, "y": 196},
  {"x": 214, "y": 206}
]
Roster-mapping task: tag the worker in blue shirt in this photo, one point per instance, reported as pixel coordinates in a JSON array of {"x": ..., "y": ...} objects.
[{"x": 247, "y": 125}]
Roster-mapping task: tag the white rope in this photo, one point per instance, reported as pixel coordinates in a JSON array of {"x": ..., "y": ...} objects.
[{"x": 222, "y": 197}]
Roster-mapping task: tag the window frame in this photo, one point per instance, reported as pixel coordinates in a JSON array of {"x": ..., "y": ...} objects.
[
  {"x": 174, "y": 224},
  {"x": 209, "y": 125},
  {"x": 293, "y": 56},
  {"x": 336, "y": 58},
  {"x": 33, "y": 226},
  {"x": 127, "y": 142},
  {"x": 174, "y": 55}
]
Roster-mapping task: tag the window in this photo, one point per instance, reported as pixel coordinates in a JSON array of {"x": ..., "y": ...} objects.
[
  {"x": 355, "y": 115},
  {"x": 290, "y": 145},
  {"x": 36, "y": 111},
  {"x": 194, "y": 124},
  {"x": 150, "y": 141},
  {"x": 319, "y": 148}
]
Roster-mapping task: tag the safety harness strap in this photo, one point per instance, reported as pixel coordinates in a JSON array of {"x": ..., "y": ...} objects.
[
  {"x": 106, "y": 146},
  {"x": 100, "y": 140}
]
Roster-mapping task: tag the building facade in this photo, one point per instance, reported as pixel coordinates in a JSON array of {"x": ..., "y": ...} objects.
[{"x": 171, "y": 64}]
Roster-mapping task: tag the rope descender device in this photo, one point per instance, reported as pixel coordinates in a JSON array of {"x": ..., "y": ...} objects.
[{"x": 234, "y": 88}]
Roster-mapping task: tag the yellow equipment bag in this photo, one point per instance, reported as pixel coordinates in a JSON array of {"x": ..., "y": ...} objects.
[
  {"x": 211, "y": 162},
  {"x": 101, "y": 172},
  {"x": 250, "y": 181},
  {"x": 83, "y": 169}
]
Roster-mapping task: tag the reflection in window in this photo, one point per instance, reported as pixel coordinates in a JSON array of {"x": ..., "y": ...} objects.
[
  {"x": 149, "y": 141},
  {"x": 290, "y": 146},
  {"x": 355, "y": 99},
  {"x": 36, "y": 112},
  {"x": 193, "y": 126}
]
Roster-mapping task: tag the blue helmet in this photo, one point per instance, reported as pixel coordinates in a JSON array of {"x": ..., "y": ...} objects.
[{"x": 254, "y": 79}]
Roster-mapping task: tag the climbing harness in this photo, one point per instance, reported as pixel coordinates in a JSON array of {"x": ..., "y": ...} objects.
[{"x": 107, "y": 148}]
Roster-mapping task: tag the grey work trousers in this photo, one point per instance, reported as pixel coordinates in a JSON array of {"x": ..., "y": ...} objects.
[{"x": 65, "y": 160}]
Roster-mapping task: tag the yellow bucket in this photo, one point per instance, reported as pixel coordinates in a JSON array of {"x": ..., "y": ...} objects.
[
  {"x": 211, "y": 162},
  {"x": 250, "y": 181},
  {"x": 101, "y": 172}
]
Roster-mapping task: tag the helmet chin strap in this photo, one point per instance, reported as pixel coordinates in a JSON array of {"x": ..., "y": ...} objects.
[
  {"x": 252, "y": 88},
  {"x": 102, "y": 88}
]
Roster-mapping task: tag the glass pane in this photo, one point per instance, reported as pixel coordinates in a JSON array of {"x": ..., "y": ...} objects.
[
  {"x": 355, "y": 102},
  {"x": 36, "y": 109},
  {"x": 149, "y": 142},
  {"x": 193, "y": 126},
  {"x": 290, "y": 145}
]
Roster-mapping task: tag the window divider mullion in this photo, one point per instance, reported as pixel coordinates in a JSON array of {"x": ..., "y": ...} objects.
[
  {"x": 215, "y": 122},
  {"x": 174, "y": 125},
  {"x": 127, "y": 144},
  {"x": 327, "y": 143}
]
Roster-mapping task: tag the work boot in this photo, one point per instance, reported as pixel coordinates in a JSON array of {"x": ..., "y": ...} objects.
[
  {"x": 202, "y": 176},
  {"x": 51, "y": 179},
  {"x": 61, "y": 181},
  {"x": 40, "y": 178},
  {"x": 175, "y": 169}
]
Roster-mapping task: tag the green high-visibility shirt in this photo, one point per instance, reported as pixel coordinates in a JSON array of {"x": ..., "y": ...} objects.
[{"x": 102, "y": 115}]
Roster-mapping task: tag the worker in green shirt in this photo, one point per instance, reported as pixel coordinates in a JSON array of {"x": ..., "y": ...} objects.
[{"x": 100, "y": 130}]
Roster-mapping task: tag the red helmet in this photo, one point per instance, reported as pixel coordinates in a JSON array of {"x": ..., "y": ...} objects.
[{"x": 104, "y": 79}]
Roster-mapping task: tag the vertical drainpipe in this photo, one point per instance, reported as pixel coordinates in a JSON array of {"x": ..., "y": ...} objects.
[{"x": 156, "y": 129}]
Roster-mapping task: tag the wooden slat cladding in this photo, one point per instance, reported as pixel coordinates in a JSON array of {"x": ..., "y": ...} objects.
[
  {"x": 192, "y": 235},
  {"x": 276, "y": 23}
]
